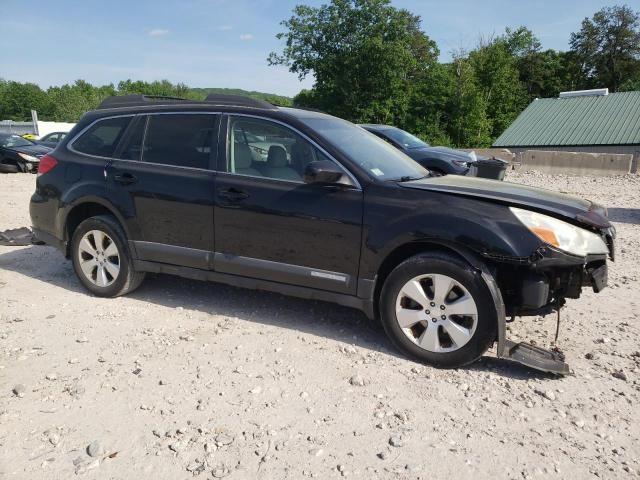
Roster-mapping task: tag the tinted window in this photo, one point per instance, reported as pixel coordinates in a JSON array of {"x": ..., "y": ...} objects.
[
  {"x": 132, "y": 149},
  {"x": 103, "y": 137},
  {"x": 180, "y": 140},
  {"x": 266, "y": 149}
]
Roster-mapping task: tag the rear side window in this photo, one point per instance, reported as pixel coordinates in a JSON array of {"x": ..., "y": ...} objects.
[
  {"x": 182, "y": 140},
  {"x": 102, "y": 138}
]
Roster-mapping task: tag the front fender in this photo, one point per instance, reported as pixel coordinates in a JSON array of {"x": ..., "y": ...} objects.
[{"x": 487, "y": 229}]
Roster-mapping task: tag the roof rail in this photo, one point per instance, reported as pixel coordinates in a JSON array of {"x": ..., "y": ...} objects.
[
  {"x": 145, "y": 100},
  {"x": 238, "y": 101},
  {"x": 136, "y": 100}
]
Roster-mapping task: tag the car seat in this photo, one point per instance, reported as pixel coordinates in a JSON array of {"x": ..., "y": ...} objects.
[
  {"x": 243, "y": 159},
  {"x": 278, "y": 166}
]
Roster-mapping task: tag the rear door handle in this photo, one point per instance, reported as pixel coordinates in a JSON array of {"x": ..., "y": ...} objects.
[
  {"x": 233, "y": 194},
  {"x": 125, "y": 178}
]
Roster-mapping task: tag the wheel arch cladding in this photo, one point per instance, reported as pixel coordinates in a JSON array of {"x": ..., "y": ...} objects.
[
  {"x": 80, "y": 212},
  {"x": 402, "y": 253}
]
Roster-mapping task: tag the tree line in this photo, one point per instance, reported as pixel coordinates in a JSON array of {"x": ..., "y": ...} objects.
[
  {"x": 373, "y": 63},
  {"x": 67, "y": 103}
]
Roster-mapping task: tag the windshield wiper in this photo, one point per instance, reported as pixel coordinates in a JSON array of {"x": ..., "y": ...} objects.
[{"x": 406, "y": 178}]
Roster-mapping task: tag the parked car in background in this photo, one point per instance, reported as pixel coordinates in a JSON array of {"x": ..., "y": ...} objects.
[
  {"x": 439, "y": 160},
  {"x": 51, "y": 140},
  {"x": 18, "y": 154},
  {"x": 333, "y": 213}
]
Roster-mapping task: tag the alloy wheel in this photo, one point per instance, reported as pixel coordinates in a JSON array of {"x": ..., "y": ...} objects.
[
  {"x": 99, "y": 258},
  {"x": 436, "y": 312}
]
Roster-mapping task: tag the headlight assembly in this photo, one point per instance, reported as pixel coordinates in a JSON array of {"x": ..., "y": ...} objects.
[
  {"x": 563, "y": 235},
  {"x": 28, "y": 158}
]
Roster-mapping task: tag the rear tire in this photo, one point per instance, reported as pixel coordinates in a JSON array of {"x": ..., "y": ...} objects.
[
  {"x": 437, "y": 309},
  {"x": 101, "y": 258}
]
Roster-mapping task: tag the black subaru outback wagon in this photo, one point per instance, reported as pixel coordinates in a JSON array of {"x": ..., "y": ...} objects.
[{"x": 239, "y": 191}]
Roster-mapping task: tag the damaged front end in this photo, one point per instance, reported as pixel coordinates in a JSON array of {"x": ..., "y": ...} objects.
[{"x": 541, "y": 283}]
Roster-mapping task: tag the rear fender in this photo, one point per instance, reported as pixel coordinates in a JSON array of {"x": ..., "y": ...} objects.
[{"x": 84, "y": 194}]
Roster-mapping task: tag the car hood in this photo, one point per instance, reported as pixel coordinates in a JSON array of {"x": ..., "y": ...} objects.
[
  {"x": 442, "y": 153},
  {"x": 556, "y": 204},
  {"x": 35, "y": 150}
]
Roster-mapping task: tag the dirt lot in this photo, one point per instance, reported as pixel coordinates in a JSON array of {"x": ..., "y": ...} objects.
[{"x": 185, "y": 378}]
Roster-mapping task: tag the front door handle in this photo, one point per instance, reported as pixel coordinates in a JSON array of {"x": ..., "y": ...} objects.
[
  {"x": 233, "y": 194},
  {"x": 125, "y": 178}
]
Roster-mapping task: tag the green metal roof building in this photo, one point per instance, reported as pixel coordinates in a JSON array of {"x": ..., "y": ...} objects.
[{"x": 583, "y": 121}]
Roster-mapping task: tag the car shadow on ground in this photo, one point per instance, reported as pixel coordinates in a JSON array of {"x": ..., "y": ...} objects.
[
  {"x": 625, "y": 215},
  {"x": 313, "y": 317}
]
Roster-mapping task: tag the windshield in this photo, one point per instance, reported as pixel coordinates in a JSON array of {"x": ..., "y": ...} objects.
[
  {"x": 374, "y": 155},
  {"x": 405, "y": 139},
  {"x": 14, "y": 141}
]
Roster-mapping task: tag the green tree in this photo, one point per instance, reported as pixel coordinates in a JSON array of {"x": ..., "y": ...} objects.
[
  {"x": 607, "y": 48},
  {"x": 498, "y": 78},
  {"x": 70, "y": 102},
  {"x": 468, "y": 124},
  {"x": 365, "y": 56},
  {"x": 161, "y": 88},
  {"x": 429, "y": 113},
  {"x": 18, "y": 99}
]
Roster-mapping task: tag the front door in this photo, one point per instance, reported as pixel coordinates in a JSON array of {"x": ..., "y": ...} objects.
[
  {"x": 269, "y": 224},
  {"x": 165, "y": 167}
]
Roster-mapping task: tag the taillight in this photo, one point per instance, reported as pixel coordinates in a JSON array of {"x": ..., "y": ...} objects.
[{"x": 47, "y": 163}]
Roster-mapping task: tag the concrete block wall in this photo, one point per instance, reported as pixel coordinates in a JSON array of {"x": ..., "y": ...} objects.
[
  {"x": 576, "y": 163},
  {"x": 501, "y": 153}
]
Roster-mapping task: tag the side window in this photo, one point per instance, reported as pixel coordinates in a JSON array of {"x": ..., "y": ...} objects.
[
  {"x": 132, "y": 149},
  {"x": 182, "y": 140},
  {"x": 261, "y": 148},
  {"x": 103, "y": 137},
  {"x": 54, "y": 137}
]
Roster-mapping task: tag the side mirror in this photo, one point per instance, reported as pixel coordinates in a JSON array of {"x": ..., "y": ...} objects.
[{"x": 325, "y": 172}]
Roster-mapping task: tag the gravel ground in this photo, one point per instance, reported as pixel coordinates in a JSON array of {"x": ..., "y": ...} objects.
[{"x": 184, "y": 378}]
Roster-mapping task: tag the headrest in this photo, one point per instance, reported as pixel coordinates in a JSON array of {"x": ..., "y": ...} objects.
[
  {"x": 277, "y": 157},
  {"x": 242, "y": 155},
  {"x": 300, "y": 151}
]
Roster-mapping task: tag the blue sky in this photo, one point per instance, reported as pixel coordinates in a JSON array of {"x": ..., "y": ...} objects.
[{"x": 225, "y": 43}]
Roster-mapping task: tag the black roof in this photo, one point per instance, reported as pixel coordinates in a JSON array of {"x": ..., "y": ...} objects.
[{"x": 125, "y": 101}]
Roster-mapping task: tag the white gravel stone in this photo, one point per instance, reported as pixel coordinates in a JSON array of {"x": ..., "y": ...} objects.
[
  {"x": 19, "y": 390},
  {"x": 316, "y": 452},
  {"x": 305, "y": 387},
  {"x": 95, "y": 449}
]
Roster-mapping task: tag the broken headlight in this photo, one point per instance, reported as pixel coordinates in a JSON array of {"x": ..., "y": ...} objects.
[
  {"x": 567, "y": 237},
  {"x": 28, "y": 158}
]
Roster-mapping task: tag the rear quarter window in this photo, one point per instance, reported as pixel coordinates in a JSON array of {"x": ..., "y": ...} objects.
[{"x": 102, "y": 138}]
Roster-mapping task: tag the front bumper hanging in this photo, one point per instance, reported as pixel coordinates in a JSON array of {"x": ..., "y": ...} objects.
[{"x": 18, "y": 237}]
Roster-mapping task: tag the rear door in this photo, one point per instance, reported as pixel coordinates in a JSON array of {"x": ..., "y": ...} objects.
[{"x": 164, "y": 168}]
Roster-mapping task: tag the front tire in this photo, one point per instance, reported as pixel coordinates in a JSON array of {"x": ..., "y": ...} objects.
[
  {"x": 437, "y": 309},
  {"x": 101, "y": 258},
  {"x": 8, "y": 168}
]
